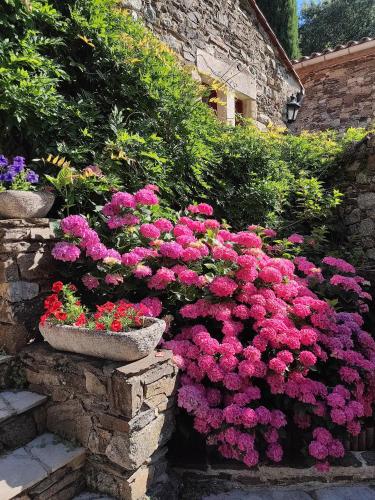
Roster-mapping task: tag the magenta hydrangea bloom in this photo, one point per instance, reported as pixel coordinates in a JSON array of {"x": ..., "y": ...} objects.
[
  {"x": 146, "y": 197},
  {"x": 66, "y": 252},
  {"x": 251, "y": 328}
]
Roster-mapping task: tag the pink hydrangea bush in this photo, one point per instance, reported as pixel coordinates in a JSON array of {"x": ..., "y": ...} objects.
[{"x": 263, "y": 342}]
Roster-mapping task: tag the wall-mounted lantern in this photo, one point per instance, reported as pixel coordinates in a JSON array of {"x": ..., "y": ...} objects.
[{"x": 293, "y": 107}]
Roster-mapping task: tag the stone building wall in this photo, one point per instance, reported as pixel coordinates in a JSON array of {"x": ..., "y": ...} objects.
[
  {"x": 225, "y": 40},
  {"x": 340, "y": 90},
  {"x": 26, "y": 270}
]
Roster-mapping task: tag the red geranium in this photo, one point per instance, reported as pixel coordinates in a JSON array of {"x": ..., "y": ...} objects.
[
  {"x": 116, "y": 326},
  {"x": 81, "y": 320},
  {"x": 57, "y": 286}
]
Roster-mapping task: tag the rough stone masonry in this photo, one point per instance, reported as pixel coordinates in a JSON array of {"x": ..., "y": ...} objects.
[
  {"x": 357, "y": 182},
  {"x": 123, "y": 415},
  {"x": 224, "y": 39},
  {"x": 26, "y": 270}
]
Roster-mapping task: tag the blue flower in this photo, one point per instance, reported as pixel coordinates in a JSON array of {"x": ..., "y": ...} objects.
[
  {"x": 3, "y": 161},
  {"x": 9, "y": 176},
  {"x": 19, "y": 160},
  {"x": 16, "y": 168},
  {"x": 32, "y": 177}
]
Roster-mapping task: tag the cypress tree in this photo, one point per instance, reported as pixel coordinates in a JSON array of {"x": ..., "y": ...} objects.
[{"x": 282, "y": 16}]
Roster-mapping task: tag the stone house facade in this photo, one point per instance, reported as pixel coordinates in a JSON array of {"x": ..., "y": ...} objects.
[
  {"x": 227, "y": 41},
  {"x": 340, "y": 87}
]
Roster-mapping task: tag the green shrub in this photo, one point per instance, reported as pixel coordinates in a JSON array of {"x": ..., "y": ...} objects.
[
  {"x": 83, "y": 80},
  {"x": 276, "y": 178}
]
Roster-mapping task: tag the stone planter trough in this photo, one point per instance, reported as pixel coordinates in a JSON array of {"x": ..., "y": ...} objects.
[
  {"x": 121, "y": 346},
  {"x": 25, "y": 204}
]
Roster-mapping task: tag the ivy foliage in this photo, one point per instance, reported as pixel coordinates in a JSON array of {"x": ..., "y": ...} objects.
[{"x": 82, "y": 80}]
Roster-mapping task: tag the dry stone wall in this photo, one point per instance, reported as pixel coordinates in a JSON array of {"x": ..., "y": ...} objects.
[
  {"x": 26, "y": 268},
  {"x": 224, "y": 38},
  {"x": 123, "y": 415},
  {"x": 358, "y": 210}
]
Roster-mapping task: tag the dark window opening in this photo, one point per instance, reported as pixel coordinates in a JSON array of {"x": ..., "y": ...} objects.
[{"x": 208, "y": 98}]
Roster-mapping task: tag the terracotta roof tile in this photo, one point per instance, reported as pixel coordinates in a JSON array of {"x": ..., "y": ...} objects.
[{"x": 335, "y": 49}]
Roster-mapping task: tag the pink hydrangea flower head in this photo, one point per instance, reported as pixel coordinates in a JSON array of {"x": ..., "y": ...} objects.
[
  {"x": 248, "y": 239},
  {"x": 123, "y": 200},
  {"x": 202, "y": 208},
  {"x": 149, "y": 231},
  {"x": 340, "y": 264},
  {"x": 270, "y": 233},
  {"x": 90, "y": 281},
  {"x": 190, "y": 254},
  {"x": 97, "y": 251},
  {"x": 296, "y": 238},
  {"x": 171, "y": 249},
  {"x": 146, "y": 197},
  {"x": 223, "y": 286},
  {"x": 74, "y": 225},
  {"x": 307, "y": 358},
  {"x": 66, "y": 252},
  {"x": 270, "y": 274},
  {"x": 164, "y": 225},
  {"x": 142, "y": 271},
  {"x": 113, "y": 279},
  {"x": 130, "y": 258},
  {"x": 154, "y": 306}
]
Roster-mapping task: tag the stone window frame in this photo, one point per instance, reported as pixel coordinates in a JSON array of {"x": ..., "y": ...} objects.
[{"x": 235, "y": 84}]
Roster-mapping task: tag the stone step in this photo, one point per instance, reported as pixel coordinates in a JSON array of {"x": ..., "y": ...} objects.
[
  {"x": 46, "y": 468},
  {"x": 22, "y": 418}
]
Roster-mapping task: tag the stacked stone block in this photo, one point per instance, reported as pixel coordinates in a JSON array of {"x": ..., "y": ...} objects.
[
  {"x": 358, "y": 210},
  {"x": 26, "y": 268},
  {"x": 123, "y": 415}
]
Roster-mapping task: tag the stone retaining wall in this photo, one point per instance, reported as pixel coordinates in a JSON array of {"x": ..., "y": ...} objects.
[
  {"x": 123, "y": 415},
  {"x": 26, "y": 268},
  {"x": 357, "y": 182},
  {"x": 225, "y": 475}
]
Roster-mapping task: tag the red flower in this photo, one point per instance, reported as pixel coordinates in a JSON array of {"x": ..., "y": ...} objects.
[
  {"x": 52, "y": 303},
  {"x": 107, "y": 307},
  {"x": 57, "y": 286},
  {"x": 44, "y": 318},
  {"x": 99, "y": 326},
  {"x": 81, "y": 320},
  {"x": 116, "y": 326},
  {"x": 60, "y": 315},
  {"x": 73, "y": 288}
]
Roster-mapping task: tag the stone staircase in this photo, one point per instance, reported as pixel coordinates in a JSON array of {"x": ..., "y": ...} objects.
[{"x": 34, "y": 464}]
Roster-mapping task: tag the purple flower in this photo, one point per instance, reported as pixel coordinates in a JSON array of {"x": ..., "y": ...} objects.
[
  {"x": 15, "y": 168},
  {"x": 3, "y": 161},
  {"x": 19, "y": 160},
  {"x": 67, "y": 252},
  {"x": 32, "y": 177},
  {"x": 9, "y": 176}
]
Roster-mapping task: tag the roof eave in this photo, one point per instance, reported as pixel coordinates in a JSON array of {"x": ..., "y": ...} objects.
[{"x": 283, "y": 55}]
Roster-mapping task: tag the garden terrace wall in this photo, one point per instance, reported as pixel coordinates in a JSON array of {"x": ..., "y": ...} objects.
[
  {"x": 123, "y": 415},
  {"x": 26, "y": 268},
  {"x": 213, "y": 474},
  {"x": 230, "y": 41},
  {"x": 358, "y": 209}
]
